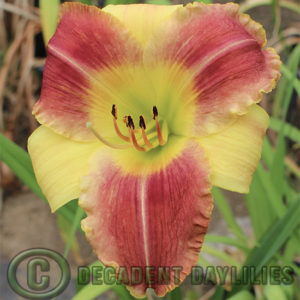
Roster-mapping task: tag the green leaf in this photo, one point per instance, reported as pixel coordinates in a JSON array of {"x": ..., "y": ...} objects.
[
  {"x": 19, "y": 162},
  {"x": 176, "y": 294},
  {"x": 287, "y": 263},
  {"x": 218, "y": 294},
  {"x": 205, "y": 1},
  {"x": 291, "y": 249},
  {"x": 264, "y": 203},
  {"x": 49, "y": 17},
  {"x": 259, "y": 208},
  {"x": 123, "y": 293},
  {"x": 271, "y": 194},
  {"x": 282, "y": 101},
  {"x": 92, "y": 290},
  {"x": 227, "y": 214},
  {"x": 274, "y": 5},
  {"x": 289, "y": 131},
  {"x": 107, "y": 2},
  {"x": 286, "y": 85},
  {"x": 220, "y": 255},
  {"x": 159, "y": 2},
  {"x": 288, "y": 74},
  {"x": 243, "y": 295},
  {"x": 272, "y": 240},
  {"x": 277, "y": 171},
  {"x": 226, "y": 240},
  {"x": 274, "y": 292},
  {"x": 250, "y": 4},
  {"x": 89, "y": 2},
  {"x": 268, "y": 245},
  {"x": 267, "y": 152},
  {"x": 76, "y": 223}
]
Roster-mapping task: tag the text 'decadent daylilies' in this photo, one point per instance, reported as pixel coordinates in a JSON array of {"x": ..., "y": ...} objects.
[{"x": 143, "y": 108}]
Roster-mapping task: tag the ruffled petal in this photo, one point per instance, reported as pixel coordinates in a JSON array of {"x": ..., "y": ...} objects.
[
  {"x": 156, "y": 220},
  {"x": 86, "y": 42},
  {"x": 141, "y": 19},
  {"x": 58, "y": 164},
  {"x": 235, "y": 152},
  {"x": 223, "y": 51}
]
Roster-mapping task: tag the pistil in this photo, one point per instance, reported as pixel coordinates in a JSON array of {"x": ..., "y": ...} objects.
[{"x": 105, "y": 142}]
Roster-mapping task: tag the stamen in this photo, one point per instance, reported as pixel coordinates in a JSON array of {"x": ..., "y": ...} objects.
[
  {"x": 155, "y": 112},
  {"x": 114, "y": 111},
  {"x": 159, "y": 134},
  {"x": 101, "y": 139},
  {"x": 130, "y": 125},
  {"x": 143, "y": 127},
  {"x": 132, "y": 131},
  {"x": 119, "y": 133},
  {"x": 142, "y": 123}
]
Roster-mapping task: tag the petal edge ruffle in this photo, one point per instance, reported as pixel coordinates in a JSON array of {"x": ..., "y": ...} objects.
[
  {"x": 222, "y": 49},
  {"x": 157, "y": 221},
  {"x": 87, "y": 41}
]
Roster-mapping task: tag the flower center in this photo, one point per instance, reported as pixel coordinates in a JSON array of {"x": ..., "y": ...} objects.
[{"x": 143, "y": 139}]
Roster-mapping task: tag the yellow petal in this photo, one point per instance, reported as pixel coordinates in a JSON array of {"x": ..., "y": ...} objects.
[
  {"x": 235, "y": 152},
  {"x": 58, "y": 164},
  {"x": 141, "y": 19}
]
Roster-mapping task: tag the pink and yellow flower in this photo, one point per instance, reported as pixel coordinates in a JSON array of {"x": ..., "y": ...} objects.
[{"x": 143, "y": 108}]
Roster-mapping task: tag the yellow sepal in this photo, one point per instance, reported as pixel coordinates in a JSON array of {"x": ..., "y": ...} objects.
[
  {"x": 141, "y": 19},
  {"x": 235, "y": 152},
  {"x": 59, "y": 163}
]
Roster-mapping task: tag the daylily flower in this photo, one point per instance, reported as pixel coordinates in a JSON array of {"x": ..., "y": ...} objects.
[{"x": 143, "y": 108}]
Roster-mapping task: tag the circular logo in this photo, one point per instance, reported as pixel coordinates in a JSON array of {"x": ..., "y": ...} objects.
[{"x": 40, "y": 259}]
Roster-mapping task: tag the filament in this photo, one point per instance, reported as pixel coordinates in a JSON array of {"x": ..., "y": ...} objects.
[
  {"x": 123, "y": 137},
  {"x": 119, "y": 133},
  {"x": 134, "y": 141},
  {"x": 130, "y": 125},
  {"x": 159, "y": 134},
  {"x": 132, "y": 131},
  {"x": 143, "y": 127}
]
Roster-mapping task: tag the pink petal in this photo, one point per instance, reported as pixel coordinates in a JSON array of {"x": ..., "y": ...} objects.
[
  {"x": 87, "y": 40},
  {"x": 223, "y": 51},
  {"x": 155, "y": 220}
]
